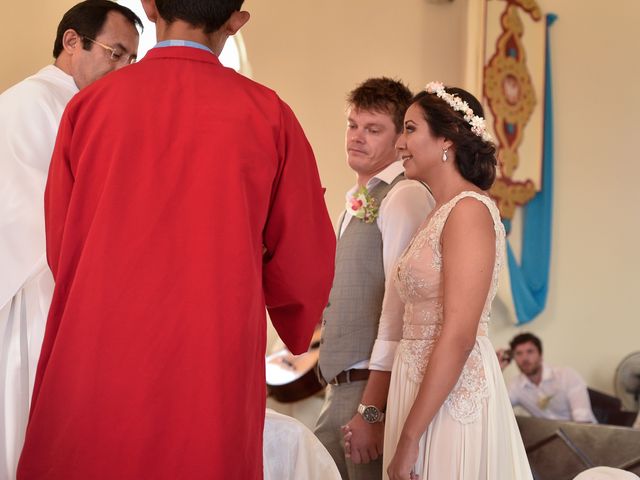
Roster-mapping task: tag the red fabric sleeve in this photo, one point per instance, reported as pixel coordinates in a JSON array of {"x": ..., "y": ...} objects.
[{"x": 299, "y": 239}]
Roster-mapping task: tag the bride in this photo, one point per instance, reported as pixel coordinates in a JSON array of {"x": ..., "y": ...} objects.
[{"x": 448, "y": 411}]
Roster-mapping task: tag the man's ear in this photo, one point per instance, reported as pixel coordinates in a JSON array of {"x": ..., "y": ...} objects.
[
  {"x": 150, "y": 10},
  {"x": 236, "y": 21},
  {"x": 71, "y": 41}
]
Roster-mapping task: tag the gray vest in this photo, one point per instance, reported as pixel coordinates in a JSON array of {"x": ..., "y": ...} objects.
[{"x": 350, "y": 320}]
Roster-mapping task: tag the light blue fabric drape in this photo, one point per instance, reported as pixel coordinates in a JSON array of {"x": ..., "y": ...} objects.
[{"x": 530, "y": 279}]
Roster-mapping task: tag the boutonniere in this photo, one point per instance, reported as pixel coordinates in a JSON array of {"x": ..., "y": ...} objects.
[
  {"x": 543, "y": 401},
  {"x": 362, "y": 205}
]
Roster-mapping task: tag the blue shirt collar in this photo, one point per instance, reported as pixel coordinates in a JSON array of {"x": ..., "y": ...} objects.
[{"x": 182, "y": 43}]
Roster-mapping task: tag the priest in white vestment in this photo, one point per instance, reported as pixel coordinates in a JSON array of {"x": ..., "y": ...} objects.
[{"x": 30, "y": 112}]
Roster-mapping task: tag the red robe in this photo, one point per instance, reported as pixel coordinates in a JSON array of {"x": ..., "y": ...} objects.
[{"x": 167, "y": 179}]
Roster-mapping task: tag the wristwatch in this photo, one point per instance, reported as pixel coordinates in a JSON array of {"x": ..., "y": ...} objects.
[{"x": 370, "y": 413}]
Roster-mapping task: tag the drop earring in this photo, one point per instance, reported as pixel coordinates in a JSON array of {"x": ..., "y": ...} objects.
[{"x": 444, "y": 154}]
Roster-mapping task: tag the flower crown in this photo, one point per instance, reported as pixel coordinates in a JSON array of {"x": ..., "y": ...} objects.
[{"x": 477, "y": 123}]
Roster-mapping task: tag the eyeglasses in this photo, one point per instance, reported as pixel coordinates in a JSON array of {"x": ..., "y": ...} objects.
[{"x": 116, "y": 55}]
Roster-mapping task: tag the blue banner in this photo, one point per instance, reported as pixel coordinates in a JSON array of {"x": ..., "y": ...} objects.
[{"x": 530, "y": 280}]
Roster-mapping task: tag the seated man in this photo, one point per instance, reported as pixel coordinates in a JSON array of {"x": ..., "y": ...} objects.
[{"x": 555, "y": 393}]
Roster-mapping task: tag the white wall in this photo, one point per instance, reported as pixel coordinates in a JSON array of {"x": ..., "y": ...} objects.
[
  {"x": 27, "y": 33},
  {"x": 313, "y": 53}
]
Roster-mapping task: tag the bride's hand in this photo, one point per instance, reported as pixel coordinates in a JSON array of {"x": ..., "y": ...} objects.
[{"x": 403, "y": 461}]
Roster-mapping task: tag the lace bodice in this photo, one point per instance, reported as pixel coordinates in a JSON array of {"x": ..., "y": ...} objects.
[{"x": 419, "y": 283}]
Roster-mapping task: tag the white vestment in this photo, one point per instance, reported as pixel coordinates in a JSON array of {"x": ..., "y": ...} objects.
[
  {"x": 292, "y": 452},
  {"x": 29, "y": 117}
]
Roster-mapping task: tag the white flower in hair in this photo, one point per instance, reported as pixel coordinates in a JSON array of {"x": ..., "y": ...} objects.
[
  {"x": 433, "y": 87},
  {"x": 477, "y": 123}
]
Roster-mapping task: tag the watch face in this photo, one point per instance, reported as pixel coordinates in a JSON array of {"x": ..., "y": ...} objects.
[{"x": 371, "y": 414}]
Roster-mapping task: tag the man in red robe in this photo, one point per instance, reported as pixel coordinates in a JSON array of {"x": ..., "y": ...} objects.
[{"x": 169, "y": 180}]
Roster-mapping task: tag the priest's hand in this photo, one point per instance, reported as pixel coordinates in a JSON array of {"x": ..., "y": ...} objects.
[{"x": 363, "y": 441}]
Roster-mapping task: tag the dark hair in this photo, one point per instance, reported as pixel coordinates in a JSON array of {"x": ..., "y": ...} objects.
[
  {"x": 475, "y": 158},
  {"x": 382, "y": 95},
  {"x": 524, "y": 338},
  {"x": 87, "y": 19},
  {"x": 209, "y": 15}
]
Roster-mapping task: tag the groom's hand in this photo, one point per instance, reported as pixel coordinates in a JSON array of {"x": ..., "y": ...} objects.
[{"x": 363, "y": 441}]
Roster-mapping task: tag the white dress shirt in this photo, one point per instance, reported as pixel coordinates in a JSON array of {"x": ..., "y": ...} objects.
[
  {"x": 401, "y": 212},
  {"x": 561, "y": 395}
]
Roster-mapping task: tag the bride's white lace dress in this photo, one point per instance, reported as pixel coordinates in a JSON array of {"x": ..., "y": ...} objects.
[{"x": 474, "y": 435}]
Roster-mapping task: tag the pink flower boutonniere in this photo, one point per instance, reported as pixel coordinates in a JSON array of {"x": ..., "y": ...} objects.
[{"x": 362, "y": 205}]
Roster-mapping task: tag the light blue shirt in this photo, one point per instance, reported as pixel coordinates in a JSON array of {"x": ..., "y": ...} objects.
[{"x": 182, "y": 43}]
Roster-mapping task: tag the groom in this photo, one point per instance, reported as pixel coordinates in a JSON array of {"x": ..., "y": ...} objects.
[{"x": 383, "y": 212}]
